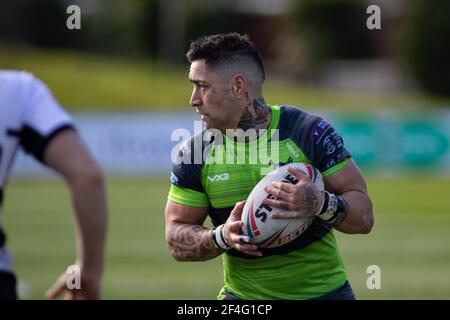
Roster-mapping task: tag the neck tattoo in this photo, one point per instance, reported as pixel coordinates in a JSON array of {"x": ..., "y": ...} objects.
[{"x": 256, "y": 115}]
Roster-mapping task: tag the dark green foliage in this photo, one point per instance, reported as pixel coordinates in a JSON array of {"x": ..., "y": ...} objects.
[{"x": 426, "y": 45}]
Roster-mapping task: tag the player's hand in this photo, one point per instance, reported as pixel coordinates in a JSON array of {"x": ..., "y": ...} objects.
[
  {"x": 233, "y": 232},
  {"x": 301, "y": 200},
  {"x": 89, "y": 287}
]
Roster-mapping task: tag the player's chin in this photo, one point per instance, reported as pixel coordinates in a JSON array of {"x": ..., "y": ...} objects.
[
  {"x": 208, "y": 124},
  {"x": 205, "y": 121}
]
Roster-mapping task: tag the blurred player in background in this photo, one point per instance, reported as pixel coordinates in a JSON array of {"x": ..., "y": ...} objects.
[
  {"x": 228, "y": 74},
  {"x": 31, "y": 118}
]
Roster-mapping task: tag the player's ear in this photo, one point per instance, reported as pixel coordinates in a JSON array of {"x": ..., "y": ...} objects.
[{"x": 238, "y": 83}]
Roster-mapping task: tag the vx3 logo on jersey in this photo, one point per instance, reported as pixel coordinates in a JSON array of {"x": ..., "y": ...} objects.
[{"x": 219, "y": 177}]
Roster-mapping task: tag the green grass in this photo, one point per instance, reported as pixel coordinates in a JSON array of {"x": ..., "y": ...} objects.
[
  {"x": 85, "y": 81},
  {"x": 410, "y": 241}
]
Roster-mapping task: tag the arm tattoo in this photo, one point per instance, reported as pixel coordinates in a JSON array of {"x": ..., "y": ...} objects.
[
  {"x": 342, "y": 215},
  {"x": 310, "y": 200},
  {"x": 189, "y": 242}
]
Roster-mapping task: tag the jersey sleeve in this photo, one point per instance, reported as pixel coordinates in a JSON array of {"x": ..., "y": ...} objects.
[
  {"x": 43, "y": 118},
  {"x": 186, "y": 187},
  {"x": 323, "y": 146},
  {"x": 330, "y": 155}
]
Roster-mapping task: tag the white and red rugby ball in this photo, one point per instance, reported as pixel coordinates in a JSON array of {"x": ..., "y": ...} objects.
[{"x": 264, "y": 231}]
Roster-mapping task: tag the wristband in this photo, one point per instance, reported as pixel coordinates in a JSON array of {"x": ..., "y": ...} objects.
[
  {"x": 332, "y": 207},
  {"x": 326, "y": 198},
  {"x": 219, "y": 238}
]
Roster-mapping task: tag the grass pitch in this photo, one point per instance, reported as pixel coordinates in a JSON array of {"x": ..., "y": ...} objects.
[{"x": 410, "y": 241}]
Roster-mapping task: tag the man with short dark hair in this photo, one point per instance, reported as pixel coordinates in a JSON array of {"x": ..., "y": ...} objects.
[
  {"x": 228, "y": 73},
  {"x": 32, "y": 119}
]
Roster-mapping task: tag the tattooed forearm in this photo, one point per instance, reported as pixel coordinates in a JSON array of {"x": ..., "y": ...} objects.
[
  {"x": 310, "y": 200},
  {"x": 191, "y": 243}
]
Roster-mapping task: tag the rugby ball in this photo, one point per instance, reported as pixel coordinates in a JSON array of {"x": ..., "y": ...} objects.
[{"x": 264, "y": 231}]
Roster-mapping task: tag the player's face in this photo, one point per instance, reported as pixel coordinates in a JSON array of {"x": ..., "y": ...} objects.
[{"x": 212, "y": 97}]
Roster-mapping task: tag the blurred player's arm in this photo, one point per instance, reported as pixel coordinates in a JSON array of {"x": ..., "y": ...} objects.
[
  {"x": 67, "y": 155},
  {"x": 188, "y": 240},
  {"x": 350, "y": 185}
]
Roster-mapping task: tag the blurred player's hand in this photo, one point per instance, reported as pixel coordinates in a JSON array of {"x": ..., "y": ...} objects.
[
  {"x": 89, "y": 288},
  {"x": 233, "y": 232}
]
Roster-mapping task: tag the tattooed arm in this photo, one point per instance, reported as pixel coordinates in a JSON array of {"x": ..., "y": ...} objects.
[{"x": 188, "y": 240}]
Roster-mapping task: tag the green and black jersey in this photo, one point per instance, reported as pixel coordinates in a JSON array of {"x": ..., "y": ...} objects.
[{"x": 216, "y": 173}]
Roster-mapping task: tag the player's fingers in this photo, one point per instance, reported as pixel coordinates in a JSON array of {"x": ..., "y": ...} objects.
[
  {"x": 282, "y": 186},
  {"x": 251, "y": 250},
  {"x": 235, "y": 227},
  {"x": 300, "y": 175},
  {"x": 58, "y": 288},
  {"x": 283, "y": 205},
  {"x": 246, "y": 246},
  {"x": 237, "y": 210},
  {"x": 235, "y": 237},
  {"x": 69, "y": 296},
  {"x": 278, "y": 193},
  {"x": 238, "y": 244},
  {"x": 239, "y": 205},
  {"x": 286, "y": 215}
]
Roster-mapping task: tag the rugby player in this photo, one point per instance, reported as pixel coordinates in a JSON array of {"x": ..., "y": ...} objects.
[
  {"x": 228, "y": 75},
  {"x": 32, "y": 119}
]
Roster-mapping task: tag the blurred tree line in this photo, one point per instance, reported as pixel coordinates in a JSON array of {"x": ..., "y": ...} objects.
[
  {"x": 311, "y": 31},
  {"x": 426, "y": 45}
]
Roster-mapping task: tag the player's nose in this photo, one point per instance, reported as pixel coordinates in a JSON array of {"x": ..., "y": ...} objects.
[{"x": 195, "y": 100}]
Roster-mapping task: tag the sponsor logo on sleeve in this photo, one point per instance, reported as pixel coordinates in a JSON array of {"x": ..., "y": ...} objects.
[
  {"x": 330, "y": 164},
  {"x": 332, "y": 142},
  {"x": 319, "y": 130}
]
